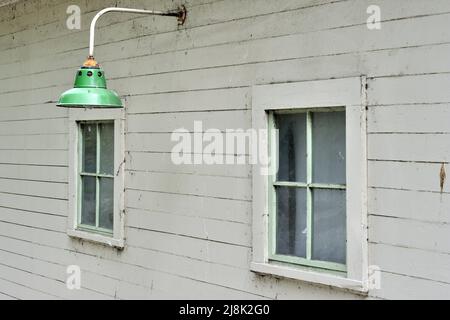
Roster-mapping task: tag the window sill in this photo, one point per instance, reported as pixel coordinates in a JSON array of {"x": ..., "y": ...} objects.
[
  {"x": 96, "y": 238},
  {"x": 308, "y": 276}
]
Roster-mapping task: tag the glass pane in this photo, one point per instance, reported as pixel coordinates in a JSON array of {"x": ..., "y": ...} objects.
[
  {"x": 328, "y": 134},
  {"x": 106, "y": 148},
  {"x": 292, "y": 147},
  {"x": 89, "y": 134},
  {"x": 88, "y": 200},
  {"x": 291, "y": 229},
  {"x": 106, "y": 203},
  {"x": 329, "y": 231}
]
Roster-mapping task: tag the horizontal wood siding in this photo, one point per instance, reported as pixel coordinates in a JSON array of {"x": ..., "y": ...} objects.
[{"x": 188, "y": 227}]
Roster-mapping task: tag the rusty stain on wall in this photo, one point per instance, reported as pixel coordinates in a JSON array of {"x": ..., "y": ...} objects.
[{"x": 442, "y": 177}]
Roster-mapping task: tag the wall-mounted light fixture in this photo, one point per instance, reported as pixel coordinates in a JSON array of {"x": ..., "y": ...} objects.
[{"x": 90, "y": 89}]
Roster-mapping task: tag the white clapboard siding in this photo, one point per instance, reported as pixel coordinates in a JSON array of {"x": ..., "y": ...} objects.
[
  {"x": 299, "y": 24},
  {"x": 5, "y": 297},
  {"x": 39, "y": 282},
  {"x": 233, "y": 31},
  {"x": 22, "y": 292},
  {"x": 289, "y": 41},
  {"x": 34, "y": 188},
  {"x": 251, "y": 52},
  {"x": 434, "y": 237},
  {"x": 216, "y": 230},
  {"x": 34, "y": 141},
  {"x": 45, "y": 126},
  {"x": 36, "y": 96},
  {"x": 143, "y": 256},
  {"x": 243, "y": 75},
  {"x": 207, "y": 258},
  {"x": 162, "y": 162},
  {"x": 242, "y": 253},
  {"x": 32, "y": 112},
  {"x": 58, "y": 273},
  {"x": 207, "y": 186},
  {"x": 47, "y": 237},
  {"x": 417, "y": 89},
  {"x": 408, "y": 60},
  {"x": 407, "y": 175},
  {"x": 409, "y": 147},
  {"x": 189, "y": 205},
  {"x": 216, "y": 13},
  {"x": 226, "y": 276},
  {"x": 107, "y": 285},
  {"x": 426, "y": 118},
  {"x": 34, "y": 157},
  {"x": 135, "y": 280},
  {"x": 222, "y": 99},
  {"x": 126, "y": 66},
  {"x": 62, "y": 257},
  {"x": 154, "y": 142},
  {"x": 30, "y": 203},
  {"x": 395, "y": 286},
  {"x": 412, "y": 262},
  {"x": 415, "y": 205},
  {"x": 257, "y": 63},
  {"x": 217, "y": 120},
  {"x": 215, "y": 9},
  {"x": 271, "y": 287},
  {"x": 33, "y": 172},
  {"x": 165, "y": 143},
  {"x": 33, "y": 219},
  {"x": 25, "y": 12},
  {"x": 53, "y": 29},
  {"x": 122, "y": 31},
  {"x": 247, "y": 52},
  {"x": 192, "y": 247}
]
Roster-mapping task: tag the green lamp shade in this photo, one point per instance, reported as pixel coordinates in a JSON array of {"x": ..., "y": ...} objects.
[{"x": 90, "y": 91}]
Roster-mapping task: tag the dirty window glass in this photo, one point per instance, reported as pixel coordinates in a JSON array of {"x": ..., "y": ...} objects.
[
  {"x": 96, "y": 177},
  {"x": 309, "y": 193}
]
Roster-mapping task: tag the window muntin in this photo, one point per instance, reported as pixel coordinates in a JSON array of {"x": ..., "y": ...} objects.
[
  {"x": 307, "y": 200},
  {"x": 96, "y": 177}
]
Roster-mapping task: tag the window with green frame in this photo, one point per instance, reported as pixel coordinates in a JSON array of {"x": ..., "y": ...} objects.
[
  {"x": 96, "y": 177},
  {"x": 307, "y": 200}
]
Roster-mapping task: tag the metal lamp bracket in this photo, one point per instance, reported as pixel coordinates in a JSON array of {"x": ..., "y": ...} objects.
[{"x": 180, "y": 14}]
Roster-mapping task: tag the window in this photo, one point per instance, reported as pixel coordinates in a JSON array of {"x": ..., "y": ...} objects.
[
  {"x": 96, "y": 171},
  {"x": 96, "y": 199},
  {"x": 309, "y": 209}
]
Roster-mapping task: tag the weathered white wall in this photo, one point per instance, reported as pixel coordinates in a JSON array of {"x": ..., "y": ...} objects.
[{"x": 188, "y": 229}]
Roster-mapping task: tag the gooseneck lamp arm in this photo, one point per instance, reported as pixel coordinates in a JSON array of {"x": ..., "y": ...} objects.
[{"x": 180, "y": 14}]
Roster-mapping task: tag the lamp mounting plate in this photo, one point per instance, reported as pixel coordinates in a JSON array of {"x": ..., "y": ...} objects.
[{"x": 182, "y": 14}]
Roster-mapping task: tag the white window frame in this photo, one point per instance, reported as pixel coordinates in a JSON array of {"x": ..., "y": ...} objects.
[
  {"x": 118, "y": 117},
  {"x": 349, "y": 93}
]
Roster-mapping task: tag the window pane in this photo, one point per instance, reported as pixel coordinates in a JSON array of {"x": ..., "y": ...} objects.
[
  {"x": 292, "y": 147},
  {"x": 328, "y": 134},
  {"x": 329, "y": 231},
  {"x": 106, "y": 203},
  {"x": 106, "y": 148},
  {"x": 89, "y": 156},
  {"x": 88, "y": 203},
  {"x": 291, "y": 222}
]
